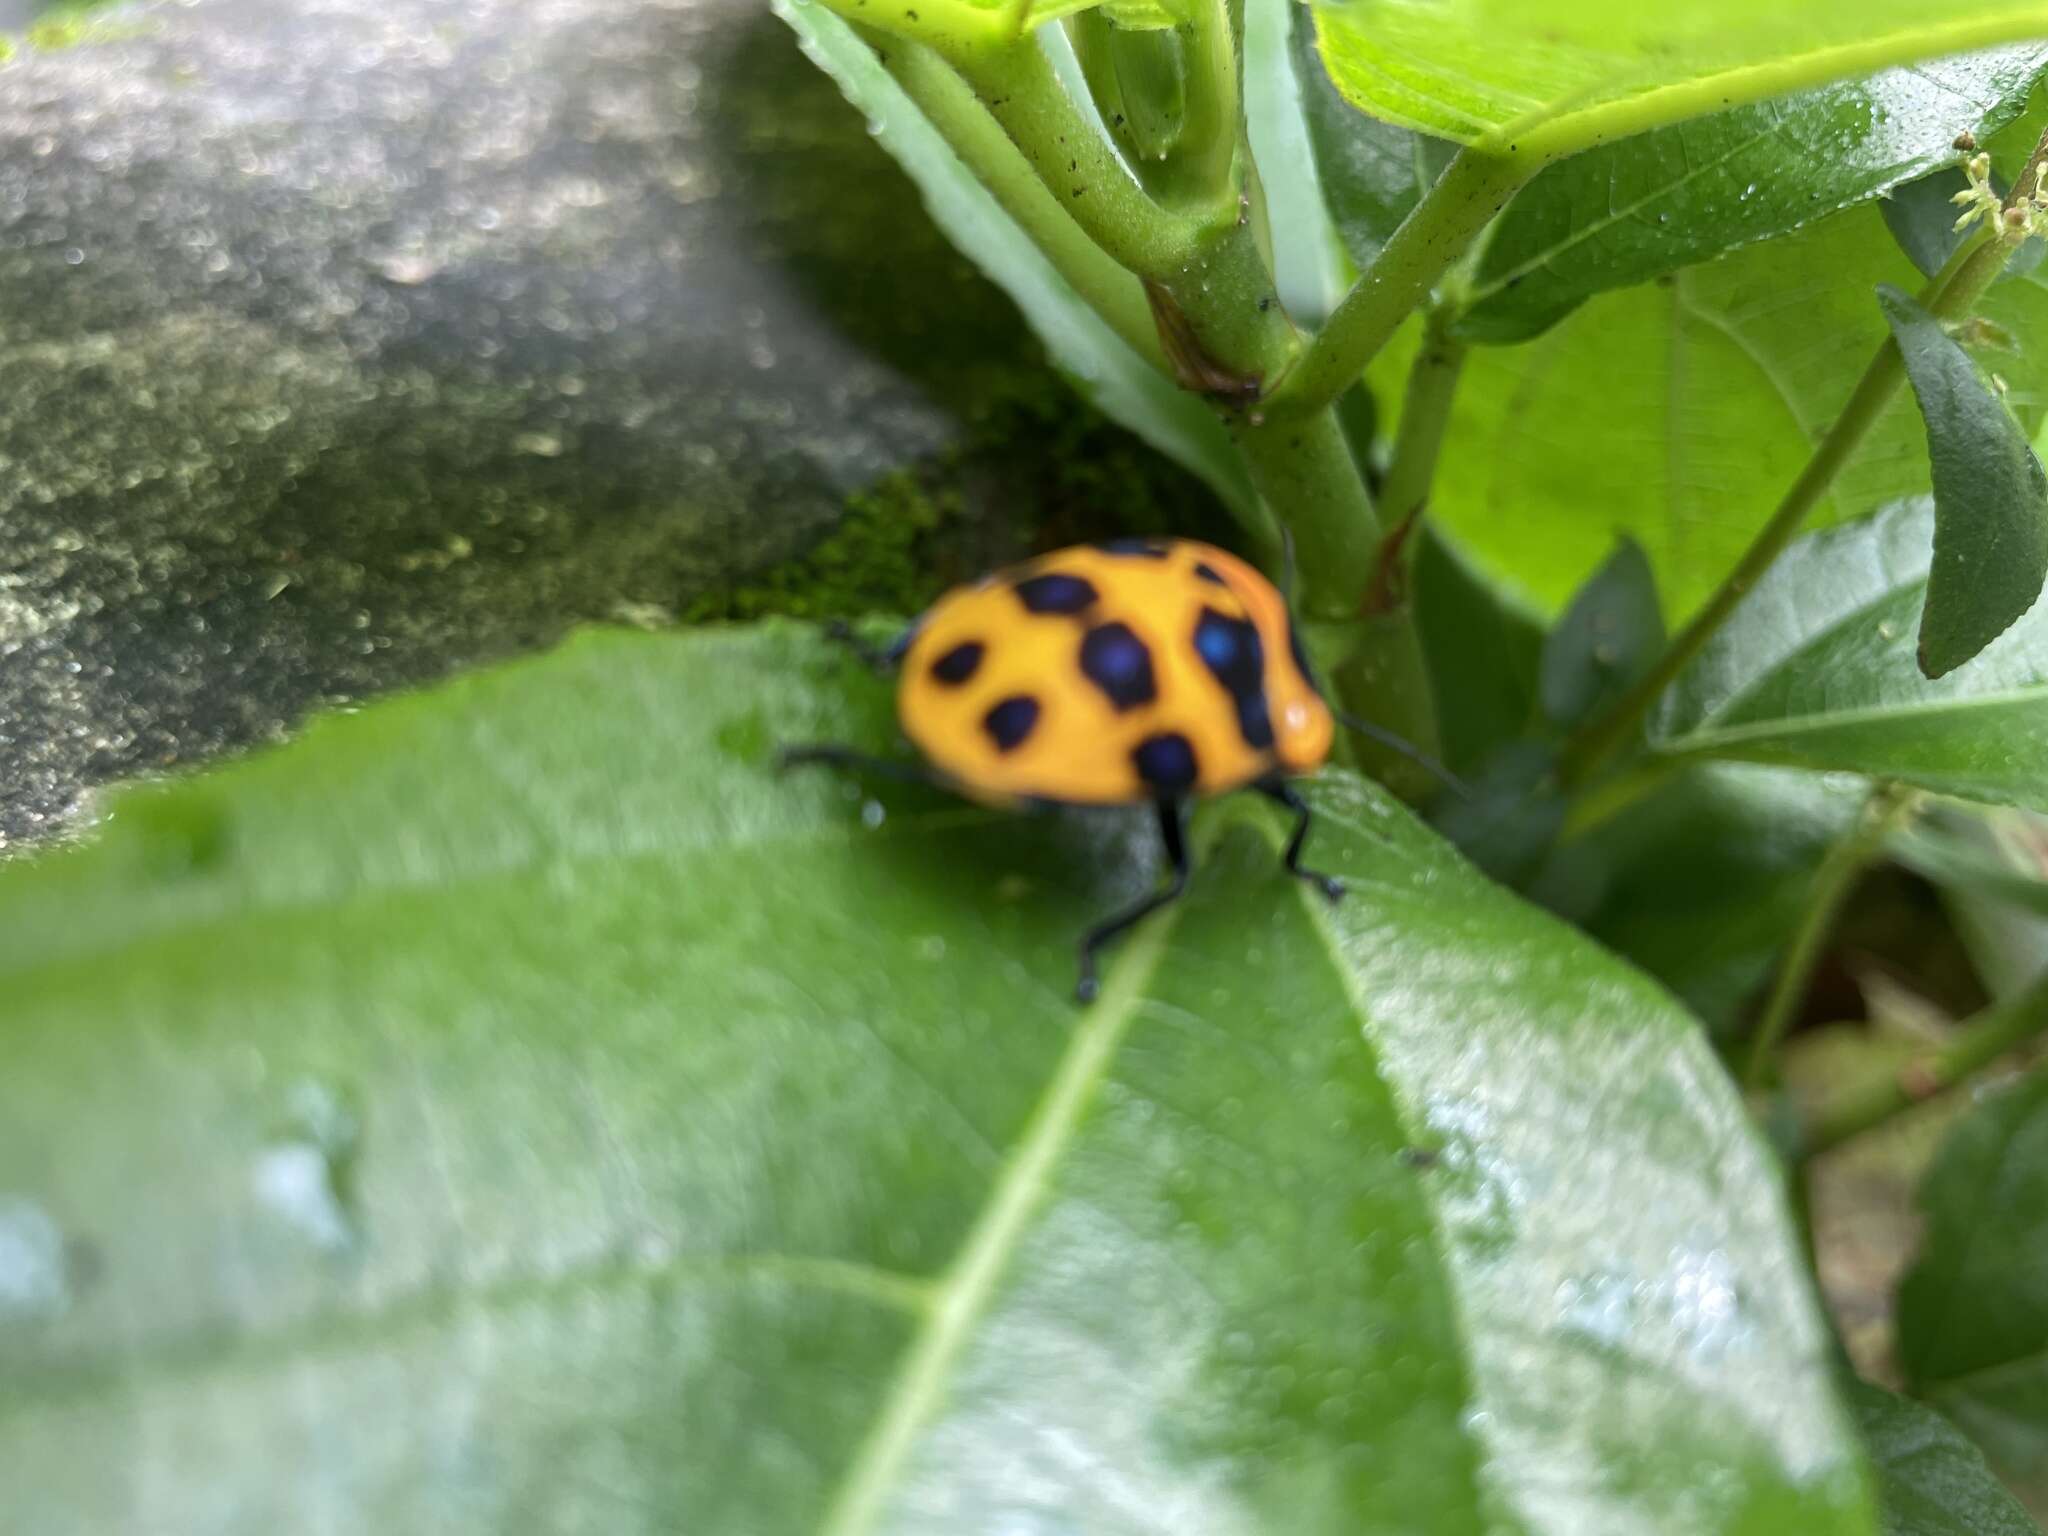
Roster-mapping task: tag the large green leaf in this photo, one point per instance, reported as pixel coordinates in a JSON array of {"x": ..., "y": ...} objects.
[
  {"x": 1679, "y": 412},
  {"x": 1102, "y": 366},
  {"x": 516, "y": 1108},
  {"x": 1552, "y": 76},
  {"x": 1930, "y": 1480},
  {"x": 1973, "y": 1310},
  {"x": 1625, "y": 212},
  {"x": 1990, "y": 495},
  {"x": 1817, "y": 669}
]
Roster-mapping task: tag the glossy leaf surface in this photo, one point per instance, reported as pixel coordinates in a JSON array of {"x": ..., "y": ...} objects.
[
  {"x": 1817, "y": 669},
  {"x": 1625, "y": 212},
  {"x": 516, "y": 1105},
  {"x": 1931, "y": 1481}
]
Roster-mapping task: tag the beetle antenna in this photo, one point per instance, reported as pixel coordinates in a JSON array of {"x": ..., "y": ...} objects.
[
  {"x": 1407, "y": 749},
  {"x": 1286, "y": 565}
]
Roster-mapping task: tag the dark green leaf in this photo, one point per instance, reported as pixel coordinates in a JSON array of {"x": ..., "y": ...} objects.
[
  {"x": 1511, "y": 811},
  {"x": 1990, "y": 496},
  {"x": 1483, "y": 653},
  {"x": 1701, "y": 881},
  {"x": 515, "y": 1107},
  {"x": 1606, "y": 640},
  {"x": 1113, "y": 377},
  {"x": 1816, "y": 669},
  {"x": 1930, "y": 1480},
  {"x": 1922, "y": 217},
  {"x": 1973, "y": 1310},
  {"x": 1678, "y": 413},
  {"x": 1630, "y": 210}
]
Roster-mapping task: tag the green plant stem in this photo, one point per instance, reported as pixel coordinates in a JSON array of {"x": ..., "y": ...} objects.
[
  {"x": 1419, "y": 441},
  {"x": 1472, "y": 189},
  {"x": 1887, "y": 806},
  {"x": 956, "y": 28},
  {"x": 1995, "y": 1032},
  {"x": 1304, "y": 472},
  {"x": 951, "y": 106},
  {"x": 1077, "y": 166},
  {"x": 1951, "y": 295},
  {"x": 1200, "y": 171}
]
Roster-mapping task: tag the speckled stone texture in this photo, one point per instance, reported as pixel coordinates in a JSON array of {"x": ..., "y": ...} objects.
[{"x": 344, "y": 342}]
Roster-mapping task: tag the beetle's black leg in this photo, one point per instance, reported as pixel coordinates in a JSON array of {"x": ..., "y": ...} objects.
[
  {"x": 1281, "y": 790},
  {"x": 1173, "y": 833},
  {"x": 857, "y": 762},
  {"x": 885, "y": 658}
]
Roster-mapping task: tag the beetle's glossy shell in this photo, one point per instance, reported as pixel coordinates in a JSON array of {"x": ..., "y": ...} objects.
[{"x": 1110, "y": 674}]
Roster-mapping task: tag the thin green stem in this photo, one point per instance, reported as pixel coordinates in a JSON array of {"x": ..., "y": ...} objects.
[
  {"x": 1887, "y": 806},
  {"x": 952, "y": 107},
  {"x": 1472, "y": 189},
  {"x": 1419, "y": 441},
  {"x": 1201, "y": 169},
  {"x": 1076, "y": 164},
  {"x": 1997, "y": 1031},
  {"x": 1951, "y": 295}
]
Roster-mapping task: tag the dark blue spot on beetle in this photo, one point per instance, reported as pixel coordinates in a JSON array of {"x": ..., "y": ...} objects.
[
  {"x": 1230, "y": 649},
  {"x": 1165, "y": 762},
  {"x": 958, "y": 664},
  {"x": 1208, "y": 573},
  {"x": 1116, "y": 661},
  {"x": 1146, "y": 549},
  {"x": 1056, "y": 592},
  {"x": 1010, "y": 721}
]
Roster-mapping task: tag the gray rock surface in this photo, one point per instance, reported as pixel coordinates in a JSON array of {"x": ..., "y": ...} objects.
[{"x": 343, "y": 342}]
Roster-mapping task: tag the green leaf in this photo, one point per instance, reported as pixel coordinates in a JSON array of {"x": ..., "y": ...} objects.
[
  {"x": 1930, "y": 1480},
  {"x": 1622, "y": 213},
  {"x": 1990, "y": 496},
  {"x": 1816, "y": 669},
  {"x": 1959, "y": 854},
  {"x": 1973, "y": 1310},
  {"x": 1483, "y": 652},
  {"x": 1746, "y": 841},
  {"x": 1679, "y": 412},
  {"x": 517, "y": 1107},
  {"x": 1606, "y": 640},
  {"x": 1101, "y": 365},
  {"x": 1550, "y": 77}
]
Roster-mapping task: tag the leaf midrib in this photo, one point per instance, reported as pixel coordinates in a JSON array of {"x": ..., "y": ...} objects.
[
  {"x": 1553, "y": 134},
  {"x": 1805, "y": 725},
  {"x": 962, "y": 1294}
]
